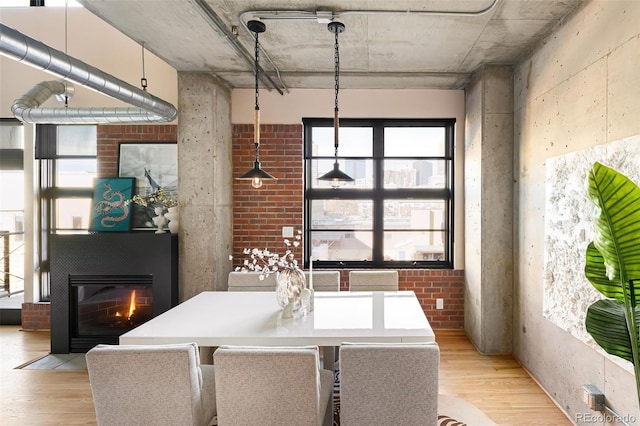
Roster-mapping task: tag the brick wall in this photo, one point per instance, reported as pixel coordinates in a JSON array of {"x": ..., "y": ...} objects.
[
  {"x": 260, "y": 214},
  {"x": 110, "y": 136},
  {"x": 35, "y": 316}
]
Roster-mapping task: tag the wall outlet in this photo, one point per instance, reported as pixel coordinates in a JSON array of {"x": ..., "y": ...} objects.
[
  {"x": 287, "y": 232},
  {"x": 439, "y": 303},
  {"x": 593, "y": 398}
]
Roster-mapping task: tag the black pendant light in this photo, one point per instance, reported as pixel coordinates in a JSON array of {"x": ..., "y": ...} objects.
[
  {"x": 256, "y": 175},
  {"x": 336, "y": 175}
]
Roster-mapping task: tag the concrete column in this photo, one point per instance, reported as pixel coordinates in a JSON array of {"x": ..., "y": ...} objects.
[
  {"x": 204, "y": 182},
  {"x": 489, "y": 210}
]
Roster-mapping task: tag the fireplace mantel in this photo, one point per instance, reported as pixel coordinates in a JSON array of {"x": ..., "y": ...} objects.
[{"x": 109, "y": 254}]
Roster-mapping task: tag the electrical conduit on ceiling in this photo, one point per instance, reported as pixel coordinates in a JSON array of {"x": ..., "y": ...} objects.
[
  {"x": 326, "y": 16},
  {"x": 25, "y": 49}
]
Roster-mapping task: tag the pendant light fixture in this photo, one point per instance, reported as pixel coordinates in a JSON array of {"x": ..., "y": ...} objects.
[
  {"x": 256, "y": 175},
  {"x": 336, "y": 175}
]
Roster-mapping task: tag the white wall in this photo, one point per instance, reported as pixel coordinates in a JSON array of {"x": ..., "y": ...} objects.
[{"x": 579, "y": 89}]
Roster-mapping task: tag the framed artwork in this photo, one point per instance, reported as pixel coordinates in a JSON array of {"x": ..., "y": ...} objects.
[
  {"x": 109, "y": 212},
  {"x": 153, "y": 165}
]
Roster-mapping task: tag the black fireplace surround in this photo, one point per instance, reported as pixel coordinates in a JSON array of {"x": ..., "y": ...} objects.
[{"x": 86, "y": 269}]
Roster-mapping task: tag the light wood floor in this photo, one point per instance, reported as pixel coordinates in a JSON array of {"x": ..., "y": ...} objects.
[{"x": 495, "y": 384}]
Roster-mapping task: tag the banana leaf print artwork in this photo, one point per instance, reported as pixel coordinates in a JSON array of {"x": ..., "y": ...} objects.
[
  {"x": 613, "y": 265},
  {"x": 109, "y": 211}
]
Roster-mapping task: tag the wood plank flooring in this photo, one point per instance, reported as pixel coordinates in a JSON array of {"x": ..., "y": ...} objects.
[{"x": 495, "y": 384}]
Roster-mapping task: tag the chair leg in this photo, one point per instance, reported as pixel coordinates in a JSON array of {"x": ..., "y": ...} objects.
[
  {"x": 329, "y": 354},
  {"x": 328, "y": 414}
]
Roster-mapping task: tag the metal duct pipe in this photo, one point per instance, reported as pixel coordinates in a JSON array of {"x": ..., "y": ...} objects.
[
  {"x": 23, "y": 48},
  {"x": 25, "y": 108}
]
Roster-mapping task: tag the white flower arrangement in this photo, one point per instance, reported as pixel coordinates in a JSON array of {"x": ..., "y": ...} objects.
[
  {"x": 158, "y": 198},
  {"x": 266, "y": 262}
]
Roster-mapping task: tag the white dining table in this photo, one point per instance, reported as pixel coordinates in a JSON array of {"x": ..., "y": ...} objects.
[{"x": 215, "y": 318}]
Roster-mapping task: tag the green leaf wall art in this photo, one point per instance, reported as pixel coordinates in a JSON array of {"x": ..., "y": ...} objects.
[{"x": 613, "y": 265}]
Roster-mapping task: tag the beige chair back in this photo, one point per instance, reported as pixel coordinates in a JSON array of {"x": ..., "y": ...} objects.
[
  {"x": 324, "y": 280},
  {"x": 151, "y": 384},
  {"x": 389, "y": 384},
  {"x": 250, "y": 281},
  {"x": 282, "y": 386},
  {"x": 382, "y": 280}
]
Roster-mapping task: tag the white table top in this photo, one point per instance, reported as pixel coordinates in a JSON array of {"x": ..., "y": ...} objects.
[{"x": 215, "y": 318}]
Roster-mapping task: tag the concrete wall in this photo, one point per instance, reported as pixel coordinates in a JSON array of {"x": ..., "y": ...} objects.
[
  {"x": 489, "y": 209},
  {"x": 578, "y": 89}
]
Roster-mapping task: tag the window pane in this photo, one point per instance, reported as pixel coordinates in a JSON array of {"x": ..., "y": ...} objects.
[
  {"x": 72, "y": 213},
  {"x": 11, "y": 136},
  {"x": 342, "y": 214},
  {"x": 12, "y": 190},
  {"x": 414, "y": 245},
  {"x": 327, "y": 245},
  {"x": 414, "y": 214},
  {"x": 414, "y": 174},
  {"x": 76, "y": 173},
  {"x": 414, "y": 142},
  {"x": 360, "y": 170},
  {"x": 353, "y": 142},
  {"x": 77, "y": 140}
]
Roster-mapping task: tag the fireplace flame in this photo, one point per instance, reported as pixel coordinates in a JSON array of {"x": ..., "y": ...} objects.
[{"x": 132, "y": 305}]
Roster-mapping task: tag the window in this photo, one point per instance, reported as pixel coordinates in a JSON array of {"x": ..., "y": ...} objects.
[
  {"x": 11, "y": 206},
  {"x": 398, "y": 211},
  {"x": 67, "y": 168}
]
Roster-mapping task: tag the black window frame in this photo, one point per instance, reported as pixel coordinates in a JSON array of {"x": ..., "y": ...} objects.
[
  {"x": 46, "y": 154},
  {"x": 378, "y": 194}
]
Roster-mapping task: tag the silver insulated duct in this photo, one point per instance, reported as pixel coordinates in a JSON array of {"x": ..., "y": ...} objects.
[{"x": 23, "y": 48}]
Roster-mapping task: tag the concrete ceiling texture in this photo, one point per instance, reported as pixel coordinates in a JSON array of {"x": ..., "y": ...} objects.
[{"x": 405, "y": 44}]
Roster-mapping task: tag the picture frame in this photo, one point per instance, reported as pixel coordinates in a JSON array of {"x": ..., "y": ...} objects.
[
  {"x": 109, "y": 210},
  {"x": 153, "y": 165}
]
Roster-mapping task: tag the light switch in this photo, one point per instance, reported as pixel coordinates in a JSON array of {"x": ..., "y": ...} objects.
[
  {"x": 439, "y": 303},
  {"x": 287, "y": 232}
]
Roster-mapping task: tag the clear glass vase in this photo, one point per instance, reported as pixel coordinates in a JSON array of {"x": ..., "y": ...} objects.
[{"x": 289, "y": 285}]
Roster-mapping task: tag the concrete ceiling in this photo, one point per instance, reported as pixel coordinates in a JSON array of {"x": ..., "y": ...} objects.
[{"x": 435, "y": 44}]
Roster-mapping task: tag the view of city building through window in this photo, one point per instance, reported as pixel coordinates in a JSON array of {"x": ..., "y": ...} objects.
[
  {"x": 398, "y": 210},
  {"x": 11, "y": 207}
]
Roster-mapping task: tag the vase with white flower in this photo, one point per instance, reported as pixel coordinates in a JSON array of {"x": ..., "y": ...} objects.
[
  {"x": 159, "y": 201},
  {"x": 290, "y": 280}
]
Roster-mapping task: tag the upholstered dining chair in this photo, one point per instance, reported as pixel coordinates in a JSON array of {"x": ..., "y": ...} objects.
[
  {"x": 272, "y": 386},
  {"x": 389, "y": 384},
  {"x": 324, "y": 280},
  {"x": 151, "y": 384},
  {"x": 250, "y": 281},
  {"x": 378, "y": 280}
]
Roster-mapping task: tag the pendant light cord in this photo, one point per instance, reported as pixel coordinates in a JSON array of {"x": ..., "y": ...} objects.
[
  {"x": 336, "y": 122},
  {"x": 256, "y": 130},
  {"x": 143, "y": 80},
  {"x": 66, "y": 46}
]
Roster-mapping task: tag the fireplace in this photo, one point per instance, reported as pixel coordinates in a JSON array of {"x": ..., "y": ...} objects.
[
  {"x": 104, "y": 307},
  {"x": 103, "y": 285}
]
